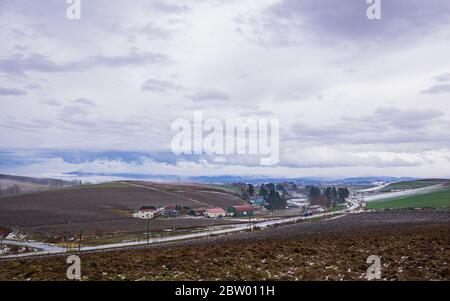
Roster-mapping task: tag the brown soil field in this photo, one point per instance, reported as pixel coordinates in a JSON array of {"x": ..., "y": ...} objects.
[
  {"x": 198, "y": 194},
  {"x": 412, "y": 245},
  {"x": 106, "y": 208}
]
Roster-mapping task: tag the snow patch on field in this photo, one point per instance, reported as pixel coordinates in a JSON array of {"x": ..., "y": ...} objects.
[
  {"x": 16, "y": 236},
  {"x": 4, "y": 250}
]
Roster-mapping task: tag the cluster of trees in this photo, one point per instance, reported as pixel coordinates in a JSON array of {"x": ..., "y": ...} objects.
[
  {"x": 269, "y": 192},
  {"x": 10, "y": 190},
  {"x": 330, "y": 196},
  {"x": 247, "y": 192},
  {"x": 274, "y": 200}
]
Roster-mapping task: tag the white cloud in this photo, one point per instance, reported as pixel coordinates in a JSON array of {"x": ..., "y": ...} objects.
[{"x": 117, "y": 79}]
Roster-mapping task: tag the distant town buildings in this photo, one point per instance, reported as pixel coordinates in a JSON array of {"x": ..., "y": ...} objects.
[{"x": 257, "y": 202}]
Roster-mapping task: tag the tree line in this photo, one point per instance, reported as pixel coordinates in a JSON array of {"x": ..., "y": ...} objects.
[{"x": 329, "y": 197}]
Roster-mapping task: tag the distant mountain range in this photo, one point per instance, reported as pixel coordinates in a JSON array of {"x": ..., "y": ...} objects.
[
  {"x": 302, "y": 181},
  {"x": 251, "y": 179}
]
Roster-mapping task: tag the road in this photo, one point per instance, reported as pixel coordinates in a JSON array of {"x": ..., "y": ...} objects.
[
  {"x": 36, "y": 245},
  {"x": 53, "y": 250}
]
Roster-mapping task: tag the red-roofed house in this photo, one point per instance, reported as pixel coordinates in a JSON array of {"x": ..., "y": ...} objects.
[
  {"x": 145, "y": 213},
  {"x": 241, "y": 210},
  {"x": 215, "y": 212}
]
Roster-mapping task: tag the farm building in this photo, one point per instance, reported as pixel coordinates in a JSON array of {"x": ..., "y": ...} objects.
[
  {"x": 168, "y": 212},
  {"x": 257, "y": 202},
  {"x": 145, "y": 213},
  {"x": 215, "y": 212},
  {"x": 239, "y": 211},
  {"x": 198, "y": 211}
]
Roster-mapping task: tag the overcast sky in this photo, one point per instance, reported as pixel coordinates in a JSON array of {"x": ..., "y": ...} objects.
[{"x": 355, "y": 97}]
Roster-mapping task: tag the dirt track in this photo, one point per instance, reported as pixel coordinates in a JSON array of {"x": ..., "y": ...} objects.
[{"x": 411, "y": 244}]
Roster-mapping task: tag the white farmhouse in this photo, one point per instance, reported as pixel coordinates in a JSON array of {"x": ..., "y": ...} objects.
[
  {"x": 145, "y": 213},
  {"x": 215, "y": 212}
]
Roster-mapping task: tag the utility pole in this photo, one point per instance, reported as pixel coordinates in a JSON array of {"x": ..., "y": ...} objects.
[
  {"x": 69, "y": 241},
  {"x": 79, "y": 242},
  {"x": 148, "y": 230},
  {"x": 179, "y": 195},
  {"x": 65, "y": 241}
]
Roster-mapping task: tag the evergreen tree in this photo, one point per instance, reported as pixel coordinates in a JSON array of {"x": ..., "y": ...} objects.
[
  {"x": 343, "y": 194},
  {"x": 251, "y": 189},
  {"x": 275, "y": 201},
  {"x": 244, "y": 194},
  {"x": 263, "y": 191}
]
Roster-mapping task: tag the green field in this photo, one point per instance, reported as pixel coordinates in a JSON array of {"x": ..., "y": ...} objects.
[
  {"x": 436, "y": 199},
  {"x": 412, "y": 184}
]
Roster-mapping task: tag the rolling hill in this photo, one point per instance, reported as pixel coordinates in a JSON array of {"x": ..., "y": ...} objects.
[
  {"x": 406, "y": 185},
  {"x": 29, "y": 184},
  {"x": 106, "y": 207},
  {"x": 439, "y": 198}
]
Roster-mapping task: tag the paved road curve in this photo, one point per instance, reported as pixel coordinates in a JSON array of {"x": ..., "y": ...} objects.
[{"x": 35, "y": 245}]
